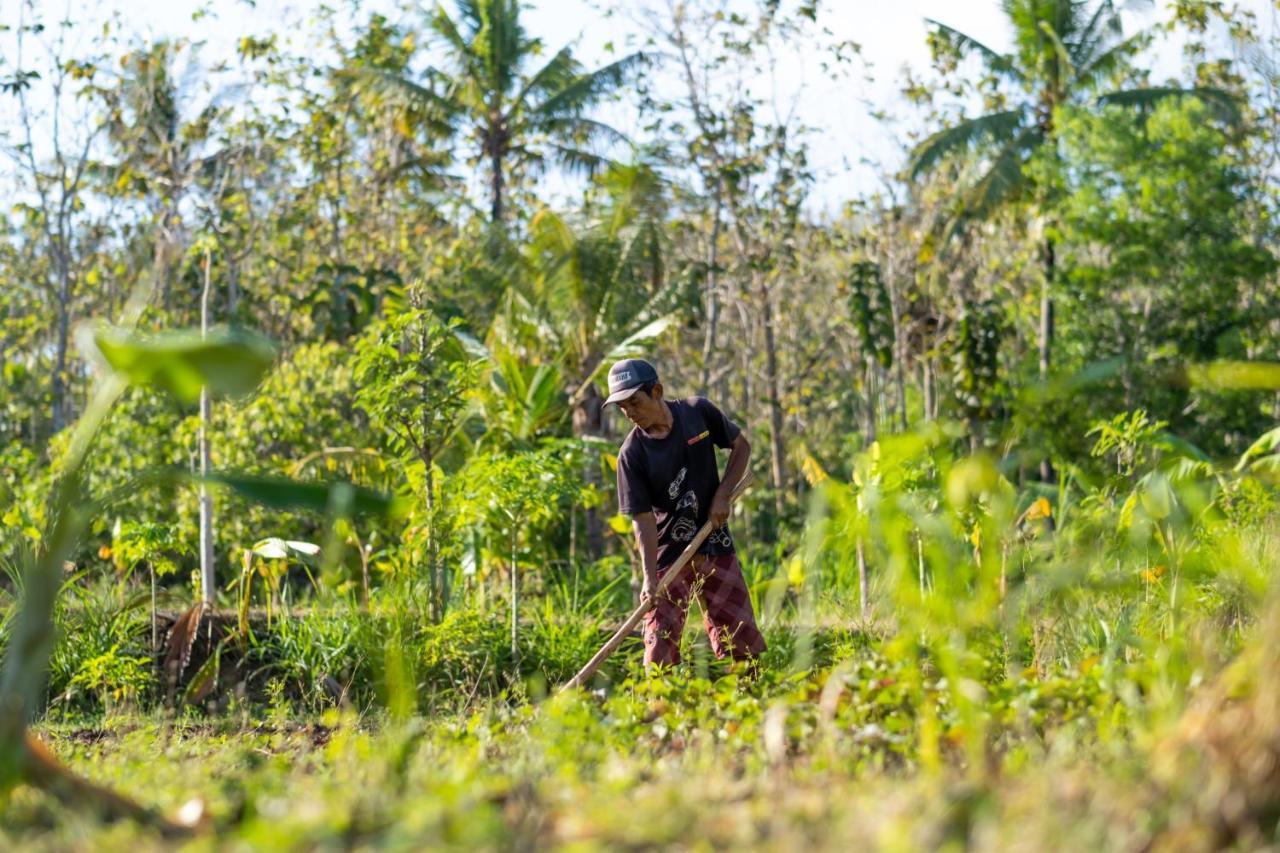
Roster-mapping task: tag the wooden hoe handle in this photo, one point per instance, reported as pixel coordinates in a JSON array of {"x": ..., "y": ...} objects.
[{"x": 669, "y": 578}]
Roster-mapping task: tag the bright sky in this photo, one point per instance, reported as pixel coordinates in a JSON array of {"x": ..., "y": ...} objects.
[{"x": 849, "y": 144}]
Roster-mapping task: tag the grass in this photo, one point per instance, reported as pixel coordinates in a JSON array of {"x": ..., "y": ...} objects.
[
  {"x": 870, "y": 748},
  {"x": 1113, "y": 683}
]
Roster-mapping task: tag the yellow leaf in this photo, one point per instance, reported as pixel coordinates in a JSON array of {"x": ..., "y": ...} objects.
[
  {"x": 795, "y": 572},
  {"x": 1039, "y": 509},
  {"x": 975, "y": 536},
  {"x": 813, "y": 472},
  {"x": 926, "y": 253}
]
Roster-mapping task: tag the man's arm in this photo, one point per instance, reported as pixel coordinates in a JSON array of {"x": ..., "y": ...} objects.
[
  {"x": 646, "y": 528},
  {"x": 739, "y": 456}
]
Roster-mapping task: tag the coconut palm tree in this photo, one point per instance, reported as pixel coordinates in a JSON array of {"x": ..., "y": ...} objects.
[
  {"x": 514, "y": 120},
  {"x": 1065, "y": 52}
]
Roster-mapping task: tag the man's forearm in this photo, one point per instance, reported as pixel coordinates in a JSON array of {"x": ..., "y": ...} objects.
[
  {"x": 646, "y": 529},
  {"x": 736, "y": 467}
]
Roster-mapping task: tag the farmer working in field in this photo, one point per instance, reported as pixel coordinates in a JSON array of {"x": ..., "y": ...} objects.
[{"x": 669, "y": 483}]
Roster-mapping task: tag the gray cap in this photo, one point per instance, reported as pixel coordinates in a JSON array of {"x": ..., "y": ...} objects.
[{"x": 627, "y": 376}]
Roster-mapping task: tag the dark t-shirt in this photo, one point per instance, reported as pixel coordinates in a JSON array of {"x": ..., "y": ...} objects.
[{"x": 676, "y": 477}]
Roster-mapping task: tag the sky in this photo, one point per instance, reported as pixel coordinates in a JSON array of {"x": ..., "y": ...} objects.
[{"x": 849, "y": 148}]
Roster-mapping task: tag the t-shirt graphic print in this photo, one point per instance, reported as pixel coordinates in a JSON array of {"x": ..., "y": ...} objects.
[{"x": 676, "y": 476}]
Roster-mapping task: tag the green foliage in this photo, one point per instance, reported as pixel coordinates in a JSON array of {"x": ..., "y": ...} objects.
[
  {"x": 1128, "y": 439},
  {"x": 872, "y": 313},
  {"x": 413, "y": 377},
  {"x": 1167, "y": 193},
  {"x": 526, "y": 487},
  {"x": 976, "y": 353},
  {"x": 1020, "y": 641},
  {"x": 116, "y": 679},
  {"x": 102, "y": 658},
  {"x": 135, "y": 542}
]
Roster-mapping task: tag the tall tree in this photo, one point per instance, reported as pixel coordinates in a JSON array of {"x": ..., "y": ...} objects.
[
  {"x": 749, "y": 149},
  {"x": 1065, "y": 52},
  {"x": 513, "y": 119},
  {"x": 160, "y": 141},
  {"x": 52, "y": 148}
]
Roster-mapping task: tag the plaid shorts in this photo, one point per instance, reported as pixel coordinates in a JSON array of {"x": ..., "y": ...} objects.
[{"x": 726, "y": 612}]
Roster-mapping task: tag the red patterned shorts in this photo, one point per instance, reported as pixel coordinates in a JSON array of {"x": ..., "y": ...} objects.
[{"x": 726, "y": 612}]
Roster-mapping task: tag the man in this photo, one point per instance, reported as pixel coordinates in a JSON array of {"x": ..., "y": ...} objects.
[{"x": 669, "y": 483}]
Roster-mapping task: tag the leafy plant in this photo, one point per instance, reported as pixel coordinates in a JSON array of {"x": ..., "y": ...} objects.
[
  {"x": 511, "y": 492},
  {"x": 414, "y": 380}
]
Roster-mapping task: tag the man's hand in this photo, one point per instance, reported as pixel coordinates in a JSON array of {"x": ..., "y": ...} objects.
[
  {"x": 647, "y": 589},
  {"x": 719, "y": 512}
]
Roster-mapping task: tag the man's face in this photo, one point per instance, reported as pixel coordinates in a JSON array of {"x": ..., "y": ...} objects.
[{"x": 643, "y": 410}]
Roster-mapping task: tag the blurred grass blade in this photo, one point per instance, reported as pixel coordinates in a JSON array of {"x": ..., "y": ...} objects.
[
  {"x": 283, "y": 493},
  {"x": 1235, "y": 376},
  {"x": 229, "y": 362}
]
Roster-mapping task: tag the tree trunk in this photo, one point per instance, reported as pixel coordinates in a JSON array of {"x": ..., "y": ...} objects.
[
  {"x": 870, "y": 424},
  {"x": 496, "y": 188},
  {"x": 776, "y": 461},
  {"x": 515, "y": 602},
  {"x": 207, "y": 579},
  {"x": 58, "y": 389},
  {"x": 713, "y": 305},
  {"x": 863, "y": 601},
  {"x": 233, "y": 289},
  {"x": 434, "y": 605},
  {"x": 166, "y": 239},
  {"x": 1046, "y": 335},
  {"x": 926, "y": 383},
  {"x": 899, "y": 343},
  {"x": 588, "y": 422}
]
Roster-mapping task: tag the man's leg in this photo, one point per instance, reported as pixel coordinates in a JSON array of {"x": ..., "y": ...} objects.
[
  {"x": 664, "y": 624},
  {"x": 726, "y": 610}
]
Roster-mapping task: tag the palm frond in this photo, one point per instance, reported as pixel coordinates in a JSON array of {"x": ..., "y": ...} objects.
[
  {"x": 589, "y": 87},
  {"x": 1225, "y": 105},
  {"x": 1110, "y": 60},
  {"x": 505, "y": 44},
  {"x": 631, "y": 346},
  {"x": 1004, "y": 178},
  {"x": 558, "y": 72},
  {"x": 583, "y": 130},
  {"x": 1103, "y": 25},
  {"x": 998, "y": 62},
  {"x": 550, "y": 233},
  {"x": 1062, "y": 57},
  {"x": 436, "y": 108},
  {"x": 577, "y": 160},
  {"x": 963, "y": 136},
  {"x": 445, "y": 27}
]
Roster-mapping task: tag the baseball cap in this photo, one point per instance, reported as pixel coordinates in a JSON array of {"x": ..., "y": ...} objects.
[{"x": 627, "y": 376}]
